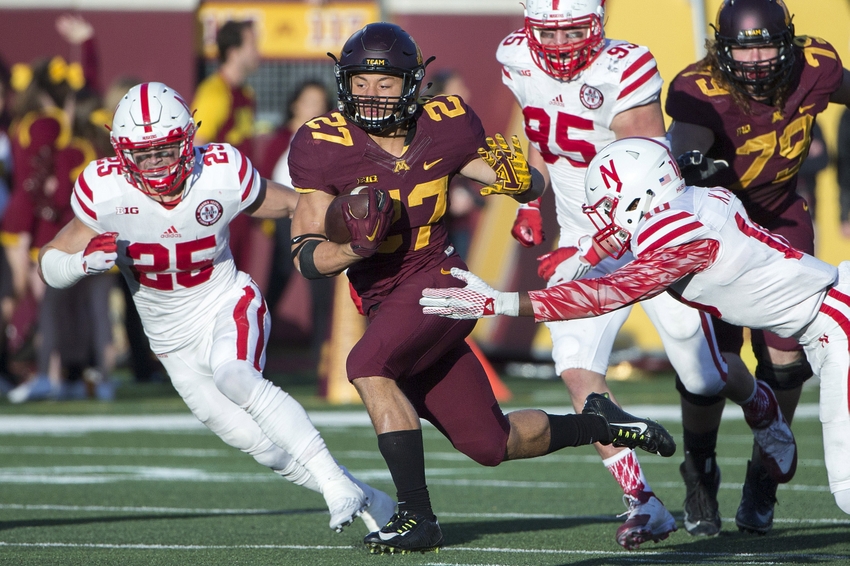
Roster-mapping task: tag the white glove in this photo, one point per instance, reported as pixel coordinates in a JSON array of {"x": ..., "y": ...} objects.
[
  {"x": 100, "y": 253},
  {"x": 476, "y": 300}
]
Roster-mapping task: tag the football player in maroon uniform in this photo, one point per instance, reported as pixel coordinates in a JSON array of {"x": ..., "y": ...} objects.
[
  {"x": 743, "y": 118},
  {"x": 407, "y": 365}
]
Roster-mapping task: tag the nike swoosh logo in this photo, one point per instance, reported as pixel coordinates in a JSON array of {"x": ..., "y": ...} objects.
[
  {"x": 803, "y": 109},
  {"x": 445, "y": 271},
  {"x": 427, "y": 165},
  {"x": 388, "y": 536},
  {"x": 640, "y": 426},
  {"x": 374, "y": 234}
]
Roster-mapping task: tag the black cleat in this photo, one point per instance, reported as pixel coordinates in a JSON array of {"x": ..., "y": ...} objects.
[
  {"x": 702, "y": 515},
  {"x": 755, "y": 513},
  {"x": 405, "y": 533},
  {"x": 628, "y": 430}
]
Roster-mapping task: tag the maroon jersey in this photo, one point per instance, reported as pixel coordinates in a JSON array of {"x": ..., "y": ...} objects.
[
  {"x": 330, "y": 155},
  {"x": 764, "y": 147}
]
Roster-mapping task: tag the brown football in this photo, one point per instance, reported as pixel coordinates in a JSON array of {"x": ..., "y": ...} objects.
[{"x": 335, "y": 228}]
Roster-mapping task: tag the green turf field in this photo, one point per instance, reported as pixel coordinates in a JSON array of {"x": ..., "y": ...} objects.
[{"x": 80, "y": 483}]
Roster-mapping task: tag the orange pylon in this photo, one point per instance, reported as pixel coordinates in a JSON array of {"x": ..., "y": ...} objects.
[{"x": 500, "y": 390}]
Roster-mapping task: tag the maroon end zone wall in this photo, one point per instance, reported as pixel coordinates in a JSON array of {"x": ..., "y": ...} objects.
[{"x": 156, "y": 46}]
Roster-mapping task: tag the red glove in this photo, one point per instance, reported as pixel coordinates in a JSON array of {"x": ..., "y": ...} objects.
[
  {"x": 100, "y": 253},
  {"x": 368, "y": 232},
  {"x": 528, "y": 226},
  {"x": 568, "y": 264}
]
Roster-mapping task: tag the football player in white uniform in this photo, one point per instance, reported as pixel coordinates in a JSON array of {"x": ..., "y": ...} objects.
[
  {"x": 700, "y": 246},
  {"x": 580, "y": 91},
  {"x": 160, "y": 211}
]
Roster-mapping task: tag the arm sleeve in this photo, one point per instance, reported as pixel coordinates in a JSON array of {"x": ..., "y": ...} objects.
[{"x": 641, "y": 279}]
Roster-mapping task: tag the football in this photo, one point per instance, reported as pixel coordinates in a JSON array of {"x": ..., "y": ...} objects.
[{"x": 335, "y": 227}]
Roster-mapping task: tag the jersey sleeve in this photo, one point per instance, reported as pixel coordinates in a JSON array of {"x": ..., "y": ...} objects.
[
  {"x": 689, "y": 98},
  {"x": 641, "y": 279},
  {"x": 823, "y": 57},
  {"x": 640, "y": 81},
  {"x": 247, "y": 177},
  {"x": 507, "y": 56},
  {"x": 465, "y": 129},
  {"x": 665, "y": 227},
  {"x": 305, "y": 166},
  {"x": 82, "y": 199}
]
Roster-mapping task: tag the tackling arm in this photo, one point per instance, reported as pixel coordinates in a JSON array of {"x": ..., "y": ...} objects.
[
  {"x": 274, "y": 201},
  {"x": 641, "y": 279}
]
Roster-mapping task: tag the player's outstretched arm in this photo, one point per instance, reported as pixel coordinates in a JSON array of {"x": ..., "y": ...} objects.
[
  {"x": 75, "y": 252},
  {"x": 274, "y": 201},
  {"x": 504, "y": 170},
  {"x": 476, "y": 300}
]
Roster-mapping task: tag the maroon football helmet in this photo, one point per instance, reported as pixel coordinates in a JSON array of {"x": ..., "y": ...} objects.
[
  {"x": 386, "y": 49},
  {"x": 755, "y": 23}
]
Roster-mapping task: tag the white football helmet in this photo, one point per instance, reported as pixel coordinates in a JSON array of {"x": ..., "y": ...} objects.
[
  {"x": 624, "y": 181},
  {"x": 565, "y": 60},
  {"x": 150, "y": 116}
]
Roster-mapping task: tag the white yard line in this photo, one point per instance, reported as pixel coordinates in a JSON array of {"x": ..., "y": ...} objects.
[
  {"x": 650, "y": 556},
  {"x": 78, "y": 424}
]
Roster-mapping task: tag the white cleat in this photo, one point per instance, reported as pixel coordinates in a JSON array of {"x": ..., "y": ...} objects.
[
  {"x": 379, "y": 511},
  {"x": 345, "y": 502}
]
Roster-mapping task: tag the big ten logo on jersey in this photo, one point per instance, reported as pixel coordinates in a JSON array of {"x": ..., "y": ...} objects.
[{"x": 126, "y": 210}]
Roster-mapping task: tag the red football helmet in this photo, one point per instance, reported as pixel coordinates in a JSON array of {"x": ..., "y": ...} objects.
[
  {"x": 564, "y": 61},
  {"x": 755, "y": 23},
  {"x": 152, "y": 116}
]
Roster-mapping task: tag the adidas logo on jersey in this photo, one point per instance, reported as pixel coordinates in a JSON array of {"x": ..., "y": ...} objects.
[
  {"x": 558, "y": 101},
  {"x": 171, "y": 233}
]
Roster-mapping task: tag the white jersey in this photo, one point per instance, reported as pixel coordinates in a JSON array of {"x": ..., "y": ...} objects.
[
  {"x": 757, "y": 280},
  {"x": 569, "y": 122},
  {"x": 706, "y": 250},
  {"x": 177, "y": 261}
]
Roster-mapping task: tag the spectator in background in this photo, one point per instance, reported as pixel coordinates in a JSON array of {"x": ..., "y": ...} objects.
[
  {"x": 465, "y": 202},
  {"x": 309, "y": 99},
  {"x": 224, "y": 107},
  {"x": 816, "y": 161},
  {"x": 41, "y": 129},
  {"x": 843, "y": 164},
  {"x": 7, "y": 300}
]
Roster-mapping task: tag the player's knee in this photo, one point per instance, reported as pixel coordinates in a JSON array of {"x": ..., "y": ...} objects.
[
  {"x": 237, "y": 380},
  {"x": 782, "y": 377},
  {"x": 702, "y": 393},
  {"x": 842, "y": 499},
  {"x": 490, "y": 452}
]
